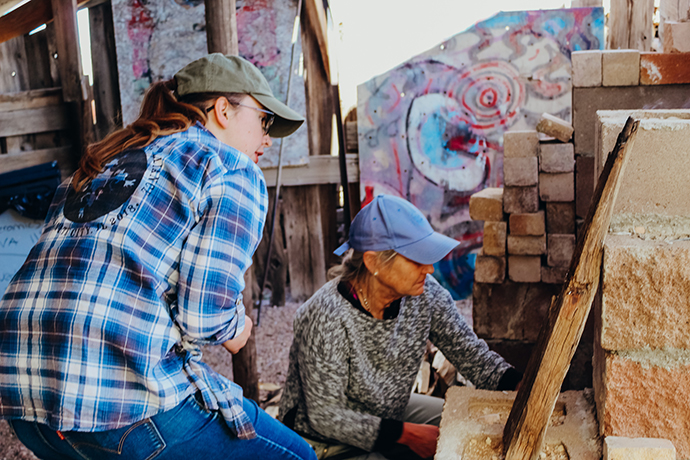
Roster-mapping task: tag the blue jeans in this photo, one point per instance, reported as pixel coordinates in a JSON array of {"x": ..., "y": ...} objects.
[{"x": 187, "y": 432}]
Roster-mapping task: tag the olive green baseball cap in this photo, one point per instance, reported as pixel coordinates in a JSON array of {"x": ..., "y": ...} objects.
[{"x": 233, "y": 74}]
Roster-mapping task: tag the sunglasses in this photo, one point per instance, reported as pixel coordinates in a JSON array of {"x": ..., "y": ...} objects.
[{"x": 266, "y": 122}]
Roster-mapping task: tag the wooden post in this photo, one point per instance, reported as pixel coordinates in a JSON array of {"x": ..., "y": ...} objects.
[
  {"x": 221, "y": 27},
  {"x": 524, "y": 431},
  {"x": 630, "y": 24},
  {"x": 69, "y": 63},
  {"x": 105, "y": 76},
  {"x": 672, "y": 10},
  {"x": 244, "y": 362}
]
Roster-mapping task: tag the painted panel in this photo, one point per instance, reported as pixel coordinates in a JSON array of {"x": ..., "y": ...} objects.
[
  {"x": 431, "y": 130},
  {"x": 156, "y": 38}
]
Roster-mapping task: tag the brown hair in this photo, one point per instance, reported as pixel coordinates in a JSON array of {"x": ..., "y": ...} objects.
[
  {"x": 352, "y": 266},
  {"x": 161, "y": 114}
]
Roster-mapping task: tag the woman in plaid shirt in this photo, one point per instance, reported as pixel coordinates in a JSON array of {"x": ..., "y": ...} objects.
[{"x": 141, "y": 262}]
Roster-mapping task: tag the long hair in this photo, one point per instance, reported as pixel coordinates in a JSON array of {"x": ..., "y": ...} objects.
[
  {"x": 352, "y": 266},
  {"x": 161, "y": 114}
]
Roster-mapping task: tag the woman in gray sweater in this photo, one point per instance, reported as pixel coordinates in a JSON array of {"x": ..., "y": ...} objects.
[{"x": 359, "y": 342}]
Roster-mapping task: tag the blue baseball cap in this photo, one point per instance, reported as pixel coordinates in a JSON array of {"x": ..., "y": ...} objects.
[{"x": 389, "y": 222}]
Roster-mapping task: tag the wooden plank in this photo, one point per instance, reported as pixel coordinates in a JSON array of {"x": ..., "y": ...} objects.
[
  {"x": 221, "y": 27},
  {"x": 25, "y": 19},
  {"x": 304, "y": 239},
  {"x": 31, "y": 99},
  {"x": 585, "y": 3},
  {"x": 64, "y": 156},
  {"x": 322, "y": 169},
  {"x": 351, "y": 137},
  {"x": 329, "y": 222},
  {"x": 14, "y": 76},
  {"x": 105, "y": 77},
  {"x": 318, "y": 88},
  {"x": 17, "y": 122},
  {"x": 316, "y": 15},
  {"x": 244, "y": 368},
  {"x": 38, "y": 56},
  {"x": 672, "y": 10},
  {"x": 631, "y": 25},
  {"x": 524, "y": 431}
]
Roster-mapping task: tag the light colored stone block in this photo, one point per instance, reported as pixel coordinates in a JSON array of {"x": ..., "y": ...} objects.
[
  {"x": 557, "y": 187},
  {"x": 676, "y": 37},
  {"x": 643, "y": 394},
  {"x": 518, "y": 200},
  {"x": 560, "y": 249},
  {"x": 586, "y": 68},
  {"x": 645, "y": 293},
  {"x": 524, "y": 269},
  {"x": 654, "y": 191},
  {"x": 471, "y": 416},
  {"x": 495, "y": 234},
  {"x": 487, "y": 205},
  {"x": 526, "y": 245},
  {"x": 664, "y": 68},
  {"x": 556, "y": 158},
  {"x": 520, "y": 144},
  {"x": 620, "y": 68},
  {"x": 489, "y": 269},
  {"x": 520, "y": 172},
  {"x": 621, "y": 448},
  {"x": 555, "y": 127},
  {"x": 527, "y": 224}
]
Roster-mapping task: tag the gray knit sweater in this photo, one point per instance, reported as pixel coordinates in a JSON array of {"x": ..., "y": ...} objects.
[{"x": 349, "y": 370}]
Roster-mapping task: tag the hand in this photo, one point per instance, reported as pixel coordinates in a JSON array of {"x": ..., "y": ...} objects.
[
  {"x": 420, "y": 438},
  {"x": 238, "y": 342}
]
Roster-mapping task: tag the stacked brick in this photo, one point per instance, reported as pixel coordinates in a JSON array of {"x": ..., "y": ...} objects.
[
  {"x": 533, "y": 237},
  {"x": 642, "y": 314}
]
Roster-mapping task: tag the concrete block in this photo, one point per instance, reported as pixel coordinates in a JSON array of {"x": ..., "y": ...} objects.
[
  {"x": 586, "y": 102},
  {"x": 487, "y": 205},
  {"x": 676, "y": 37},
  {"x": 527, "y": 224},
  {"x": 645, "y": 293},
  {"x": 560, "y": 249},
  {"x": 511, "y": 311},
  {"x": 520, "y": 172},
  {"x": 620, "y": 448},
  {"x": 654, "y": 192},
  {"x": 586, "y": 68},
  {"x": 643, "y": 394},
  {"x": 584, "y": 184},
  {"x": 555, "y": 127},
  {"x": 664, "y": 68},
  {"x": 557, "y": 187},
  {"x": 489, "y": 269},
  {"x": 560, "y": 218},
  {"x": 495, "y": 234},
  {"x": 526, "y": 245},
  {"x": 518, "y": 200},
  {"x": 520, "y": 144},
  {"x": 553, "y": 275},
  {"x": 473, "y": 420},
  {"x": 557, "y": 158},
  {"x": 620, "y": 68},
  {"x": 524, "y": 269}
]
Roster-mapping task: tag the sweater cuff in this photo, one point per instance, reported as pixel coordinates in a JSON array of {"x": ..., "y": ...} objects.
[
  {"x": 509, "y": 380},
  {"x": 389, "y": 432}
]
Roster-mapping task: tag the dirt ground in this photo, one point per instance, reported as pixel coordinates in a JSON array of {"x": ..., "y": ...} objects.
[{"x": 273, "y": 339}]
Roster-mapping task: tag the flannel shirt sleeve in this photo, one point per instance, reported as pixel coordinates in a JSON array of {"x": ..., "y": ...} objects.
[{"x": 217, "y": 253}]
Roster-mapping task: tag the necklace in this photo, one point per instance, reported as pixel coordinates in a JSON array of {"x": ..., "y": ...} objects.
[{"x": 366, "y": 302}]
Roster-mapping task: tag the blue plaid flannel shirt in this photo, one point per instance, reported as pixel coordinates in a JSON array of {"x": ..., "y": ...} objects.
[{"x": 102, "y": 325}]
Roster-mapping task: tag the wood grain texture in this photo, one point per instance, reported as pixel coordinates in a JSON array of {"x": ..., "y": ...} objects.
[
  {"x": 63, "y": 155},
  {"x": 630, "y": 24},
  {"x": 221, "y": 27},
  {"x": 17, "y": 122},
  {"x": 560, "y": 335},
  {"x": 672, "y": 10}
]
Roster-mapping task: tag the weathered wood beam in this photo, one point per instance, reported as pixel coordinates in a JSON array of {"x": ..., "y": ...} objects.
[
  {"x": 18, "y": 122},
  {"x": 524, "y": 431},
  {"x": 26, "y": 18},
  {"x": 322, "y": 169},
  {"x": 314, "y": 11},
  {"x": 221, "y": 27},
  {"x": 630, "y": 24},
  {"x": 13, "y": 161}
]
